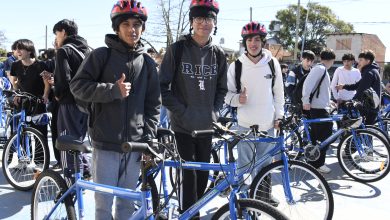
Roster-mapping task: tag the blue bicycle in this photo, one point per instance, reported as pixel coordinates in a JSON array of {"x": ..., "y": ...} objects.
[
  {"x": 26, "y": 151},
  {"x": 363, "y": 151},
  {"x": 52, "y": 199}
]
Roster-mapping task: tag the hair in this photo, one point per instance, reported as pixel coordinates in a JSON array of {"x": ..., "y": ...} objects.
[
  {"x": 13, "y": 47},
  {"x": 308, "y": 54},
  {"x": 283, "y": 65},
  {"x": 117, "y": 20},
  {"x": 327, "y": 54},
  {"x": 25, "y": 44},
  {"x": 348, "y": 56},
  {"x": 368, "y": 55},
  {"x": 69, "y": 26}
]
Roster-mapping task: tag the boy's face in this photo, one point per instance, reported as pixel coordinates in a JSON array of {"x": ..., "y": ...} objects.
[
  {"x": 253, "y": 44},
  {"x": 363, "y": 62},
  {"x": 307, "y": 63},
  {"x": 130, "y": 31},
  {"x": 22, "y": 54},
  {"x": 348, "y": 64},
  {"x": 203, "y": 26},
  {"x": 60, "y": 37}
]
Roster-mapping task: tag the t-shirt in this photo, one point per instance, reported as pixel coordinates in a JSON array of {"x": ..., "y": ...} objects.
[{"x": 29, "y": 79}]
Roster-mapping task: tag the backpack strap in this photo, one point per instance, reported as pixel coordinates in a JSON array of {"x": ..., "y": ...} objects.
[
  {"x": 271, "y": 65},
  {"x": 75, "y": 50},
  {"x": 317, "y": 90},
  {"x": 238, "y": 70}
]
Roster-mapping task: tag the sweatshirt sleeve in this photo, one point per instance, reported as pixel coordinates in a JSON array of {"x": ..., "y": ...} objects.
[
  {"x": 278, "y": 91},
  {"x": 167, "y": 74},
  {"x": 62, "y": 75},
  {"x": 221, "y": 83},
  {"x": 334, "y": 83},
  {"x": 232, "y": 97},
  {"x": 85, "y": 85},
  {"x": 311, "y": 82}
]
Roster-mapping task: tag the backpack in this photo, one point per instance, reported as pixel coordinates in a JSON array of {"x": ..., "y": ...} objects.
[
  {"x": 370, "y": 99},
  {"x": 297, "y": 93},
  {"x": 238, "y": 70},
  {"x": 83, "y": 106}
]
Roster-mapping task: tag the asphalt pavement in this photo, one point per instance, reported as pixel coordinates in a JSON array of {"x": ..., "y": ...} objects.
[{"x": 353, "y": 200}]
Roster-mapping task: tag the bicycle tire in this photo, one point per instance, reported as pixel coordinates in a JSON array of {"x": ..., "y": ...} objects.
[
  {"x": 262, "y": 209},
  {"x": 48, "y": 188},
  {"x": 374, "y": 166},
  {"x": 307, "y": 185},
  {"x": 20, "y": 172}
]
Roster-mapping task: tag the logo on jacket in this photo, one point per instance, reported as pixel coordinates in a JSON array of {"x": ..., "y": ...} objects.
[
  {"x": 201, "y": 85},
  {"x": 204, "y": 71}
]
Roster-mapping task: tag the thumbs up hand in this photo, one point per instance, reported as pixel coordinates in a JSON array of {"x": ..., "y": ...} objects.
[
  {"x": 124, "y": 87},
  {"x": 243, "y": 96}
]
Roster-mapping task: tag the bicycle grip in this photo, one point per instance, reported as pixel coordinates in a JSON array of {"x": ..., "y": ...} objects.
[
  {"x": 134, "y": 147},
  {"x": 202, "y": 133}
]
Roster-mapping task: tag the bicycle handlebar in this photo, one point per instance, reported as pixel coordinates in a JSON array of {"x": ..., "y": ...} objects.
[{"x": 134, "y": 147}]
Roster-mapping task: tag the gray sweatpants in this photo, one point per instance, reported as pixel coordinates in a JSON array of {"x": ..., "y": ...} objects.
[
  {"x": 249, "y": 153},
  {"x": 115, "y": 169}
]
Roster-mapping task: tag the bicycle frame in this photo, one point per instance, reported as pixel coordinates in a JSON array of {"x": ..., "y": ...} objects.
[{"x": 145, "y": 197}]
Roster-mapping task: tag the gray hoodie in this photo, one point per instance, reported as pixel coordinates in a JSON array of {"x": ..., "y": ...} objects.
[
  {"x": 115, "y": 119},
  {"x": 197, "y": 91}
]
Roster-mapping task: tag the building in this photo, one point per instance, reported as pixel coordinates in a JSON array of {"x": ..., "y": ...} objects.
[{"x": 354, "y": 43}]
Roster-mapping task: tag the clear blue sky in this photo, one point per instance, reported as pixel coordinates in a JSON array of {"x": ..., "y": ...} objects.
[{"x": 27, "y": 19}]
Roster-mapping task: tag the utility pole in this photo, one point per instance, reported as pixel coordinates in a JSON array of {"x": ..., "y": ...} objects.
[
  {"x": 297, "y": 30},
  {"x": 46, "y": 38},
  {"x": 304, "y": 32},
  {"x": 250, "y": 12}
]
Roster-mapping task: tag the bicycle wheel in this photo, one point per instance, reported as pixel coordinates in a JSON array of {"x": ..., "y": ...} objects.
[
  {"x": 250, "y": 209},
  {"x": 373, "y": 165},
  {"x": 19, "y": 170},
  {"x": 47, "y": 190},
  {"x": 311, "y": 195},
  {"x": 294, "y": 144}
]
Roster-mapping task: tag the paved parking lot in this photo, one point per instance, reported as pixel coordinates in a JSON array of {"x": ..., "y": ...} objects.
[{"x": 353, "y": 200}]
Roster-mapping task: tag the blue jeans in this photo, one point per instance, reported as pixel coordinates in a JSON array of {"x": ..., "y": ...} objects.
[{"x": 249, "y": 153}]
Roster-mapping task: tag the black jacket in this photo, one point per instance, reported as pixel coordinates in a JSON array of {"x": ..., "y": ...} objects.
[
  {"x": 67, "y": 63},
  {"x": 370, "y": 78},
  {"x": 115, "y": 119}
]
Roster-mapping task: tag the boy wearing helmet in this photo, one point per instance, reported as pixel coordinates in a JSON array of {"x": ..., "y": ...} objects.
[
  {"x": 122, "y": 84},
  {"x": 194, "y": 92},
  {"x": 259, "y": 101}
]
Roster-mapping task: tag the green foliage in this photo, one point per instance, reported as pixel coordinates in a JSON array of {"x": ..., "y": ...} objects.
[
  {"x": 321, "y": 21},
  {"x": 3, "y": 52}
]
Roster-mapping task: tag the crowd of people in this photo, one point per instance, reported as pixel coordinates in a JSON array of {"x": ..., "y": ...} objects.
[{"x": 126, "y": 88}]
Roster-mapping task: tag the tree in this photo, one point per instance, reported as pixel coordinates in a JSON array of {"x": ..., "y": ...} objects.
[
  {"x": 321, "y": 21},
  {"x": 2, "y": 39},
  {"x": 172, "y": 20}
]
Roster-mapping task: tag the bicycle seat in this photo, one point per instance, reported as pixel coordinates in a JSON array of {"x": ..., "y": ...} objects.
[
  {"x": 164, "y": 131},
  {"x": 70, "y": 143}
]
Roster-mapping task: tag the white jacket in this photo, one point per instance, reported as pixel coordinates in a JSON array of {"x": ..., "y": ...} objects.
[{"x": 262, "y": 106}]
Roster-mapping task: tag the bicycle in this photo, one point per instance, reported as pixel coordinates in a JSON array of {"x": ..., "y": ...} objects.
[
  {"x": 5, "y": 120},
  {"x": 51, "y": 191},
  {"x": 26, "y": 151},
  {"x": 363, "y": 151},
  {"x": 292, "y": 196}
]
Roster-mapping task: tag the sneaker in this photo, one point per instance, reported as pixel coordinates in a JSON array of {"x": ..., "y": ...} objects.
[{"x": 324, "y": 169}]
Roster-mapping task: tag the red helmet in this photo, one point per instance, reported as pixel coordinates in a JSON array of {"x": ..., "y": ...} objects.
[
  {"x": 253, "y": 28},
  {"x": 210, "y": 4},
  {"x": 129, "y": 7}
]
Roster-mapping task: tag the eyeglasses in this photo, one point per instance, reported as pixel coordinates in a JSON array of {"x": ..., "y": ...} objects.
[{"x": 200, "y": 20}]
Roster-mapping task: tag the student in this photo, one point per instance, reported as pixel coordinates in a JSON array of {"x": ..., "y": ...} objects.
[
  {"x": 123, "y": 86},
  {"x": 25, "y": 75},
  {"x": 316, "y": 107},
  {"x": 194, "y": 92},
  {"x": 70, "y": 121},
  {"x": 260, "y": 99}
]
